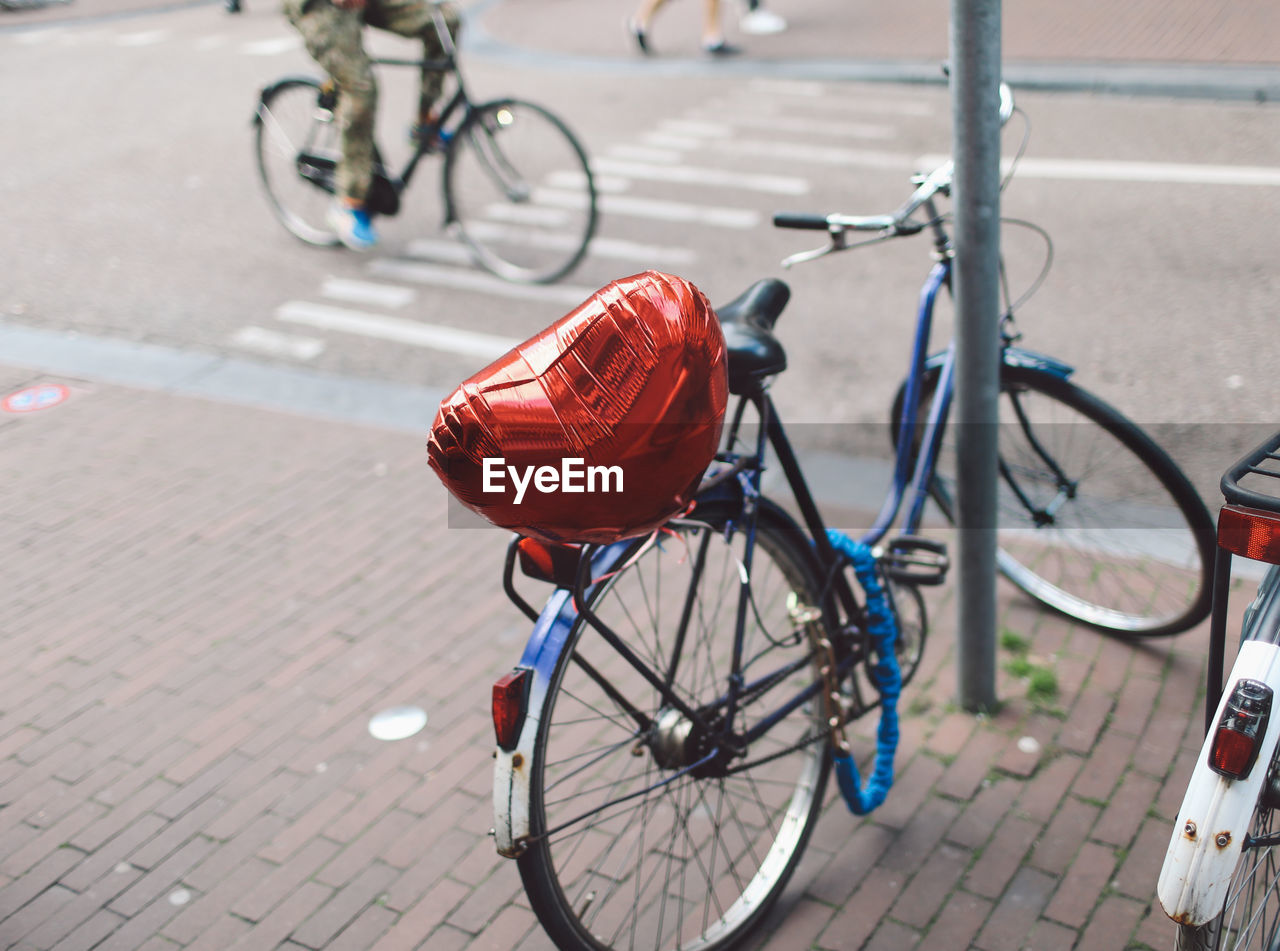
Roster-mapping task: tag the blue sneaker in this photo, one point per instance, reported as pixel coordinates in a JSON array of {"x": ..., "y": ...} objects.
[
  {"x": 429, "y": 137},
  {"x": 353, "y": 227}
]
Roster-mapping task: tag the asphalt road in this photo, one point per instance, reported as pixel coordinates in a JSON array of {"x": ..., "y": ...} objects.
[{"x": 128, "y": 181}]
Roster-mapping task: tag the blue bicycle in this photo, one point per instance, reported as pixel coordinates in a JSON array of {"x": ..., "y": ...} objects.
[{"x": 665, "y": 741}]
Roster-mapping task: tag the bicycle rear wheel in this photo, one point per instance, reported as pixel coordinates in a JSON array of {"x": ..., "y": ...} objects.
[
  {"x": 298, "y": 147},
  {"x": 1094, "y": 519},
  {"x": 634, "y": 846},
  {"x": 518, "y": 192}
]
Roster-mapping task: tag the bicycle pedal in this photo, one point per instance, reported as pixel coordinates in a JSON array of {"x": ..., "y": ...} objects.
[{"x": 911, "y": 559}]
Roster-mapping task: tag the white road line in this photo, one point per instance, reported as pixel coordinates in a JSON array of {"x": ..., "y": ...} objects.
[
  {"x": 806, "y": 126},
  {"x": 739, "y": 219},
  {"x": 604, "y": 183},
  {"x": 663, "y": 140},
  {"x": 277, "y": 344},
  {"x": 696, "y": 128},
  {"x": 145, "y": 38},
  {"x": 211, "y": 42},
  {"x": 832, "y": 100},
  {"x": 803, "y": 152},
  {"x": 439, "y": 251},
  {"x": 1149, "y": 172},
  {"x": 654, "y": 208},
  {"x": 647, "y": 255},
  {"x": 272, "y": 47},
  {"x": 419, "y": 273},
  {"x": 714, "y": 177},
  {"x": 638, "y": 153},
  {"x": 397, "y": 329},
  {"x": 366, "y": 292}
]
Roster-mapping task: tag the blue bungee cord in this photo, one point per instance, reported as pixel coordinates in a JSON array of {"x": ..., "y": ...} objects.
[{"x": 882, "y": 628}]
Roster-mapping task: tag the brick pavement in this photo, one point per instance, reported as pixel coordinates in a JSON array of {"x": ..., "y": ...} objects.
[{"x": 206, "y": 603}]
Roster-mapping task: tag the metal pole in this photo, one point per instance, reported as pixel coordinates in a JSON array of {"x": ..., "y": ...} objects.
[{"x": 975, "y": 91}]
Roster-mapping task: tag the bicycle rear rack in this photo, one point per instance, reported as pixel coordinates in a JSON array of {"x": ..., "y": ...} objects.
[{"x": 1254, "y": 481}]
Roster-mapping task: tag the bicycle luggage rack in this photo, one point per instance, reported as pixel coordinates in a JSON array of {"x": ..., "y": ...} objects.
[{"x": 1254, "y": 465}]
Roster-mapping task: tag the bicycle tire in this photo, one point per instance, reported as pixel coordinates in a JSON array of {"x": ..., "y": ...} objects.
[
  {"x": 694, "y": 863},
  {"x": 518, "y": 192},
  {"x": 297, "y": 131},
  {"x": 1145, "y": 537}
]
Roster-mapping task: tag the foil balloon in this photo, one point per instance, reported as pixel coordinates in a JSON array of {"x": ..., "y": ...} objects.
[{"x": 599, "y": 427}]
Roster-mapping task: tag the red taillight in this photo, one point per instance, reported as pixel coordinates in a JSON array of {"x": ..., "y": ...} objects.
[
  {"x": 544, "y": 561},
  {"x": 1241, "y": 729},
  {"x": 509, "y": 695},
  {"x": 1250, "y": 533}
]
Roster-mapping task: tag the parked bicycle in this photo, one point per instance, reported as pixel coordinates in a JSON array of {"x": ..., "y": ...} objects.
[
  {"x": 516, "y": 184},
  {"x": 665, "y": 741},
  {"x": 1221, "y": 876}
]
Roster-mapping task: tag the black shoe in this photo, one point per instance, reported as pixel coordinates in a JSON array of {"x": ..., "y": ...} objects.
[
  {"x": 721, "y": 49},
  {"x": 637, "y": 34}
]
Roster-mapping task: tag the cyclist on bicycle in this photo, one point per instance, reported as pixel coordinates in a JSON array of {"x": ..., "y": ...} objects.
[{"x": 332, "y": 32}]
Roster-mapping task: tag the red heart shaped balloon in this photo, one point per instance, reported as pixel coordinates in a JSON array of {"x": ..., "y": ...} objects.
[{"x": 599, "y": 427}]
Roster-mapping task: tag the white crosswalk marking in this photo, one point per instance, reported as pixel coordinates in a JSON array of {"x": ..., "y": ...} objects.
[
  {"x": 366, "y": 292},
  {"x": 396, "y": 329},
  {"x": 821, "y": 127},
  {"x": 145, "y": 38},
  {"x": 693, "y": 175},
  {"x": 419, "y": 273},
  {"x": 277, "y": 344},
  {"x": 272, "y": 47}
]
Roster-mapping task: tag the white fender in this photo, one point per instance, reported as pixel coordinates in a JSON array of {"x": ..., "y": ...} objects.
[
  {"x": 1216, "y": 812},
  {"x": 511, "y": 792},
  {"x": 512, "y": 769}
]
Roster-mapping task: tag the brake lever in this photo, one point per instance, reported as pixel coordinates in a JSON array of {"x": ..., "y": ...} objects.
[{"x": 840, "y": 242}]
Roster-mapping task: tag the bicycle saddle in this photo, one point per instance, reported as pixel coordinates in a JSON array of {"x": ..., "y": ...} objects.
[{"x": 747, "y": 320}]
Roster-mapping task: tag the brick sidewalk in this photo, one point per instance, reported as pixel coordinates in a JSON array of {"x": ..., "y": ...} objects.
[{"x": 206, "y": 603}]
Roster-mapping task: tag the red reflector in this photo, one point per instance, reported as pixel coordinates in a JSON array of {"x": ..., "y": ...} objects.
[
  {"x": 508, "y": 707},
  {"x": 1232, "y": 753},
  {"x": 1250, "y": 533},
  {"x": 544, "y": 561}
]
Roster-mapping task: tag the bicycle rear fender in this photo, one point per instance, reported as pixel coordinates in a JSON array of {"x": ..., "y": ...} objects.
[
  {"x": 1213, "y": 822},
  {"x": 511, "y": 768}
]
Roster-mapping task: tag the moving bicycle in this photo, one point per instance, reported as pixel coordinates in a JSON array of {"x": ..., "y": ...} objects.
[{"x": 517, "y": 187}]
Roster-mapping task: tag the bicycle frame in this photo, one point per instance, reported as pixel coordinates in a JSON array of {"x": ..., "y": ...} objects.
[{"x": 459, "y": 100}]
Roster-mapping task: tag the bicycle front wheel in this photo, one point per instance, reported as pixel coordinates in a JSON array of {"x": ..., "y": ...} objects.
[
  {"x": 646, "y": 831},
  {"x": 298, "y": 145},
  {"x": 518, "y": 192},
  {"x": 1094, "y": 519}
]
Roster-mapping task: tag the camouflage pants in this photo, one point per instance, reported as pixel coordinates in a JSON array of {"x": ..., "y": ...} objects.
[{"x": 333, "y": 38}]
